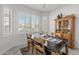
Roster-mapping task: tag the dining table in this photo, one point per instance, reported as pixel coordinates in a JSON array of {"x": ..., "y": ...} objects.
[{"x": 51, "y": 43}]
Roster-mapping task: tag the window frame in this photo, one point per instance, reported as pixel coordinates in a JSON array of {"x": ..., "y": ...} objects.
[{"x": 6, "y": 33}]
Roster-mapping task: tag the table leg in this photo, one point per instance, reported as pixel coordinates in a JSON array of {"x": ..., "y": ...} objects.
[{"x": 66, "y": 49}]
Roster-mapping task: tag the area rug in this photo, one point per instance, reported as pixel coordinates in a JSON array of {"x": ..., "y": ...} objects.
[{"x": 24, "y": 51}]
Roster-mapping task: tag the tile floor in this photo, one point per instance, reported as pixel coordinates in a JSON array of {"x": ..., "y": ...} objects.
[{"x": 16, "y": 51}]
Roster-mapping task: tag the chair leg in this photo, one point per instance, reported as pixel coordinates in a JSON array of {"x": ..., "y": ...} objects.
[
  {"x": 66, "y": 49},
  {"x": 32, "y": 50},
  {"x": 28, "y": 46},
  {"x": 36, "y": 51}
]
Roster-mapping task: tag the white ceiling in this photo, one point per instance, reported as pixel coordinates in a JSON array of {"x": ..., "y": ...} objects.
[{"x": 44, "y": 7}]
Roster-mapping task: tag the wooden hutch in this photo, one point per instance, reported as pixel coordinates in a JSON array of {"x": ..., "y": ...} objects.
[{"x": 64, "y": 29}]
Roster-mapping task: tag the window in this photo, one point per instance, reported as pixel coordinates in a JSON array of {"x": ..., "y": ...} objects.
[
  {"x": 7, "y": 16},
  {"x": 34, "y": 23},
  {"x": 45, "y": 24},
  {"x": 21, "y": 22},
  {"x": 37, "y": 24},
  {"x": 28, "y": 23},
  {"x": 51, "y": 25},
  {"x": 33, "y": 19}
]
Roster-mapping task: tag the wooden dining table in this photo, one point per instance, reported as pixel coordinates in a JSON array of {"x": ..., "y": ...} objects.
[{"x": 51, "y": 43}]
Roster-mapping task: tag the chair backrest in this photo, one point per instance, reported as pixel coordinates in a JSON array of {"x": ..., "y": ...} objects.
[
  {"x": 29, "y": 39},
  {"x": 39, "y": 44},
  {"x": 28, "y": 36}
]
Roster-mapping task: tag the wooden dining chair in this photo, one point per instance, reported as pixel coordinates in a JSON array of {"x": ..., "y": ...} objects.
[
  {"x": 39, "y": 45},
  {"x": 30, "y": 43}
]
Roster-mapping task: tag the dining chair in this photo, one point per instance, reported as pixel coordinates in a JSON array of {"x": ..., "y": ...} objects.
[
  {"x": 30, "y": 43},
  {"x": 39, "y": 45}
]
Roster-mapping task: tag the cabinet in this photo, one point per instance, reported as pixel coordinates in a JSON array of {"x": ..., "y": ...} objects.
[{"x": 64, "y": 29}]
